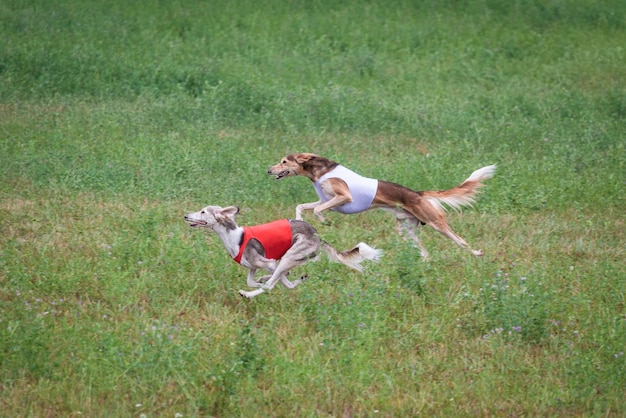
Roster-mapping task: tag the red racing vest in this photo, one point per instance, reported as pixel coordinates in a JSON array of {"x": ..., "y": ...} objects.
[{"x": 275, "y": 237}]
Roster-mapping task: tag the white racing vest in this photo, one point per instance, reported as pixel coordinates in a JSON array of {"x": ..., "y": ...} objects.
[{"x": 362, "y": 189}]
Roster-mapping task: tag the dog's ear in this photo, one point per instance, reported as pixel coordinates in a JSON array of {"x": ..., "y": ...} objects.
[
  {"x": 230, "y": 211},
  {"x": 226, "y": 217},
  {"x": 304, "y": 157}
]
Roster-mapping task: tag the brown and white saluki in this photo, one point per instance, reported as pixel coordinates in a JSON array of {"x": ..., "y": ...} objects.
[
  {"x": 276, "y": 247},
  {"x": 342, "y": 190}
]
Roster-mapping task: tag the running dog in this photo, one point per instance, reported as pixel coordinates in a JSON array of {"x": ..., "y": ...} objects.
[
  {"x": 345, "y": 191},
  {"x": 276, "y": 247}
]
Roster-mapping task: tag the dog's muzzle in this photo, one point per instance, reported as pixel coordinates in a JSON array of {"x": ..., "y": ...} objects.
[
  {"x": 195, "y": 222},
  {"x": 280, "y": 175}
]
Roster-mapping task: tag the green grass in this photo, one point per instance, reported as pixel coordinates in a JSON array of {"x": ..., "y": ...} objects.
[{"x": 116, "y": 119}]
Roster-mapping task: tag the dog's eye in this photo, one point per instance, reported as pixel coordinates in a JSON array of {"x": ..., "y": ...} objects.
[{"x": 202, "y": 213}]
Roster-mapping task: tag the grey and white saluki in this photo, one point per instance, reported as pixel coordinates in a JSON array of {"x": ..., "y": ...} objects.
[{"x": 276, "y": 247}]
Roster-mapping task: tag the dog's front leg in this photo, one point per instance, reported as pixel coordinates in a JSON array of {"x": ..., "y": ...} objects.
[
  {"x": 269, "y": 285},
  {"x": 262, "y": 284},
  {"x": 338, "y": 193},
  {"x": 251, "y": 281},
  {"x": 318, "y": 213},
  {"x": 332, "y": 203},
  {"x": 299, "y": 253},
  {"x": 306, "y": 206}
]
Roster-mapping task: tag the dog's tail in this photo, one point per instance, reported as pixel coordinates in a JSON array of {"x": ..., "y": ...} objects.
[
  {"x": 352, "y": 258},
  {"x": 462, "y": 195}
]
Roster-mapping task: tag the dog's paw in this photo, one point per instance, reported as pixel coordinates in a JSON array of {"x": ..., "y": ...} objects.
[
  {"x": 477, "y": 253},
  {"x": 251, "y": 294},
  {"x": 321, "y": 218}
]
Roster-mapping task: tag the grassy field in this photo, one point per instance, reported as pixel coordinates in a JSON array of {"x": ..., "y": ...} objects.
[{"x": 117, "y": 118}]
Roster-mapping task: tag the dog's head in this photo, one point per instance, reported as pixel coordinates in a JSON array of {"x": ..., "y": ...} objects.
[
  {"x": 211, "y": 216},
  {"x": 290, "y": 165},
  {"x": 303, "y": 164}
]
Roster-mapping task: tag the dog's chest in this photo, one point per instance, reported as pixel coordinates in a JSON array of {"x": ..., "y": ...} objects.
[{"x": 362, "y": 189}]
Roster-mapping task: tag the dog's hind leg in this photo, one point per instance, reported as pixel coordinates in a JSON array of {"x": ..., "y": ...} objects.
[
  {"x": 434, "y": 217},
  {"x": 407, "y": 224},
  {"x": 291, "y": 285},
  {"x": 442, "y": 227},
  {"x": 410, "y": 226}
]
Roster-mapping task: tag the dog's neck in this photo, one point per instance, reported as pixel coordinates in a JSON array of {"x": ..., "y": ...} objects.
[
  {"x": 317, "y": 167},
  {"x": 231, "y": 237}
]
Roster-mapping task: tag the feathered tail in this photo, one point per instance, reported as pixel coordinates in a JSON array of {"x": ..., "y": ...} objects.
[
  {"x": 352, "y": 258},
  {"x": 462, "y": 195}
]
